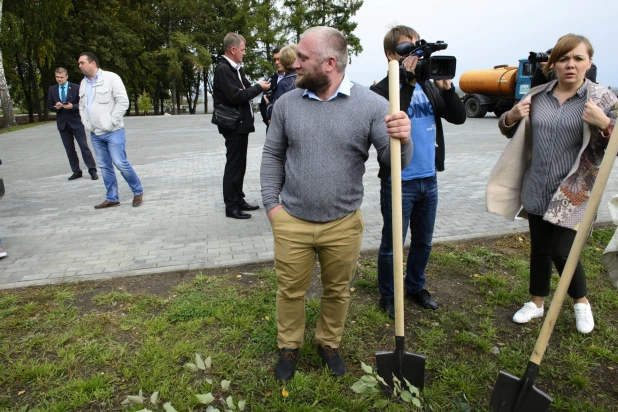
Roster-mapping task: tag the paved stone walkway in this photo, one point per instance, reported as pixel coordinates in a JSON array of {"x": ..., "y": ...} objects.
[{"x": 52, "y": 233}]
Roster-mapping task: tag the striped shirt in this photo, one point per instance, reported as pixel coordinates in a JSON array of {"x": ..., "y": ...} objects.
[{"x": 557, "y": 138}]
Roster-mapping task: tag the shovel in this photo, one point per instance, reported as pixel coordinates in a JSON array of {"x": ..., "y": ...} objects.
[
  {"x": 402, "y": 364},
  {"x": 512, "y": 394}
]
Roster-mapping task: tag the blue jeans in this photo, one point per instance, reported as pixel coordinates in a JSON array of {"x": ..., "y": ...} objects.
[
  {"x": 110, "y": 151},
  {"x": 419, "y": 206}
]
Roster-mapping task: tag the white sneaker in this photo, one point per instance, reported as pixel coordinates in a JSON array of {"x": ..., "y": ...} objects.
[
  {"x": 527, "y": 312},
  {"x": 583, "y": 317}
]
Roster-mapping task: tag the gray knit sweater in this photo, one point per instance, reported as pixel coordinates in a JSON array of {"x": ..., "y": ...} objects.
[{"x": 323, "y": 147}]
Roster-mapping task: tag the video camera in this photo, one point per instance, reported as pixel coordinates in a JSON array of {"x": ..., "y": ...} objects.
[
  {"x": 539, "y": 57},
  {"x": 428, "y": 67}
]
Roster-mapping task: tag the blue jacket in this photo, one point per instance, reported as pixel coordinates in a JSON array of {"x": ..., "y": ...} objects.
[{"x": 285, "y": 85}]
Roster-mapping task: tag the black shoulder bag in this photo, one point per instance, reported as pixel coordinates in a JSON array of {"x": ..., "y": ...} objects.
[{"x": 226, "y": 116}]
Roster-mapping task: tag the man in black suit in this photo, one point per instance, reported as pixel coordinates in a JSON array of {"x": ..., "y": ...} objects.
[
  {"x": 64, "y": 100},
  {"x": 231, "y": 88}
]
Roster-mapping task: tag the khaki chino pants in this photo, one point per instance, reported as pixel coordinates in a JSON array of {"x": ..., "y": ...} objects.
[{"x": 337, "y": 245}]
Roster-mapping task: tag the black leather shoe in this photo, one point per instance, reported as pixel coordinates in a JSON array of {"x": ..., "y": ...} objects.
[
  {"x": 286, "y": 365},
  {"x": 332, "y": 360},
  {"x": 94, "y": 176},
  {"x": 423, "y": 299},
  {"x": 75, "y": 175},
  {"x": 388, "y": 306},
  {"x": 236, "y": 214},
  {"x": 247, "y": 207}
]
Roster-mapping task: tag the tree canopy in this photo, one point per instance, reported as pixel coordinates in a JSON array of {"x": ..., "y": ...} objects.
[{"x": 164, "y": 49}]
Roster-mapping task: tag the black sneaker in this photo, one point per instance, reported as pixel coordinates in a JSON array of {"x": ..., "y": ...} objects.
[
  {"x": 286, "y": 365},
  {"x": 388, "y": 306},
  {"x": 332, "y": 360},
  {"x": 423, "y": 299}
]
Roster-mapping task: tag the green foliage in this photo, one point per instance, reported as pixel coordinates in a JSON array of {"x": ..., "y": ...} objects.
[
  {"x": 370, "y": 386},
  {"x": 200, "y": 366},
  {"x": 145, "y": 102},
  {"x": 164, "y": 49}
]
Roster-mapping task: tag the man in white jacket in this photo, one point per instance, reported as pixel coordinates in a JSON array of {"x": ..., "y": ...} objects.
[{"x": 102, "y": 104}]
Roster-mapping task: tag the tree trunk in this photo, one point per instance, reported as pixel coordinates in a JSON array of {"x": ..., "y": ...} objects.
[
  {"x": 136, "y": 104},
  {"x": 169, "y": 43},
  {"x": 178, "y": 100},
  {"x": 205, "y": 90},
  {"x": 174, "y": 97},
  {"x": 155, "y": 100},
  {"x": 36, "y": 102},
  {"x": 45, "y": 90},
  {"x": 189, "y": 97},
  {"x": 24, "y": 86},
  {"x": 193, "y": 109},
  {"x": 8, "y": 115}
]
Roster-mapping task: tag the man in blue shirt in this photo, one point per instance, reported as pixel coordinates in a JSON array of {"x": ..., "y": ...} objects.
[{"x": 426, "y": 103}]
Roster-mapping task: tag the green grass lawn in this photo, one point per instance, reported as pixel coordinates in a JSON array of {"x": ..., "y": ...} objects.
[
  {"x": 85, "y": 347},
  {"x": 23, "y": 126}
]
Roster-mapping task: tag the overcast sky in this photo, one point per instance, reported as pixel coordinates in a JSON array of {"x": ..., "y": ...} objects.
[{"x": 485, "y": 33}]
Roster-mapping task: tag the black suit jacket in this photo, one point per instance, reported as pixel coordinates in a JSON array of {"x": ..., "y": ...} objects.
[
  {"x": 228, "y": 90},
  {"x": 64, "y": 116}
]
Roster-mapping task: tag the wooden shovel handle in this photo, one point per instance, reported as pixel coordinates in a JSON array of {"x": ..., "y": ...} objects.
[
  {"x": 578, "y": 244},
  {"x": 395, "y": 144}
]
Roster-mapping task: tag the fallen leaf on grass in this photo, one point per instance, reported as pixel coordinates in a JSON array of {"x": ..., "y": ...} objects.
[
  {"x": 501, "y": 344},
  {"x": 268, "y": 393},
  {"x": 388, "y": 325},
  {"x": 352, "y": 289},
  {"x": 521, "y": 239},
  {"x": 266, "y": 318},
  {"x": 476, "y": 275},
  {"x": 285, "y": 393},
  {"x": 21, "y": 393},
  {"x": 225, "y": 385},
  {"x": 238, "y": 276}
]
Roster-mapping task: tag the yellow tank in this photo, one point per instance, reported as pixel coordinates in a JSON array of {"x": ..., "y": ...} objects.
[{"x": 501, "y": 80}]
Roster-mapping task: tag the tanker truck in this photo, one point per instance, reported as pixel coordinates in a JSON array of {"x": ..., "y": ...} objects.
[{"x": 496, "y": 90}]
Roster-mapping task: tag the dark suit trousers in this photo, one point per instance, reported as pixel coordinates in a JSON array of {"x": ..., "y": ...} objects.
[
  {"x": 235, "y": 167},
  {"x": 69, "y": 146}
]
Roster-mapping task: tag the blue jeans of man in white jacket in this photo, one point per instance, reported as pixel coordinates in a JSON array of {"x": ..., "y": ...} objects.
[{"x": 109, "y": 149}]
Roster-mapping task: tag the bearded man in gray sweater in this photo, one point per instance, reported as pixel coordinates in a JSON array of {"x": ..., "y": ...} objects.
[{"x": 319, "y": 137}]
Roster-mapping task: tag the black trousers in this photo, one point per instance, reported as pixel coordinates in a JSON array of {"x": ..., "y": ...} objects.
[
  {"x": 69, "y": 146},
  {"x": 235, "y": 167},
  {"x": 551, "y": 243}
]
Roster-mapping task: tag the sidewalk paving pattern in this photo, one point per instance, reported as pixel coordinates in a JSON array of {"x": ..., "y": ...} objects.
[{"x": 52, "y": 233}]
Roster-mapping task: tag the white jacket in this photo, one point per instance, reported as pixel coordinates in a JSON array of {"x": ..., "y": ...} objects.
[{"x": 109, "y": 103}]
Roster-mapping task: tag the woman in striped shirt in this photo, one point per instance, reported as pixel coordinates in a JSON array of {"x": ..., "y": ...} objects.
[{"x": 570, "y": 120}]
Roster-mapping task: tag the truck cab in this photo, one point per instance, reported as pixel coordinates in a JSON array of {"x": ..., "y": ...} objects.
[{"x": 524, "y": 78}]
